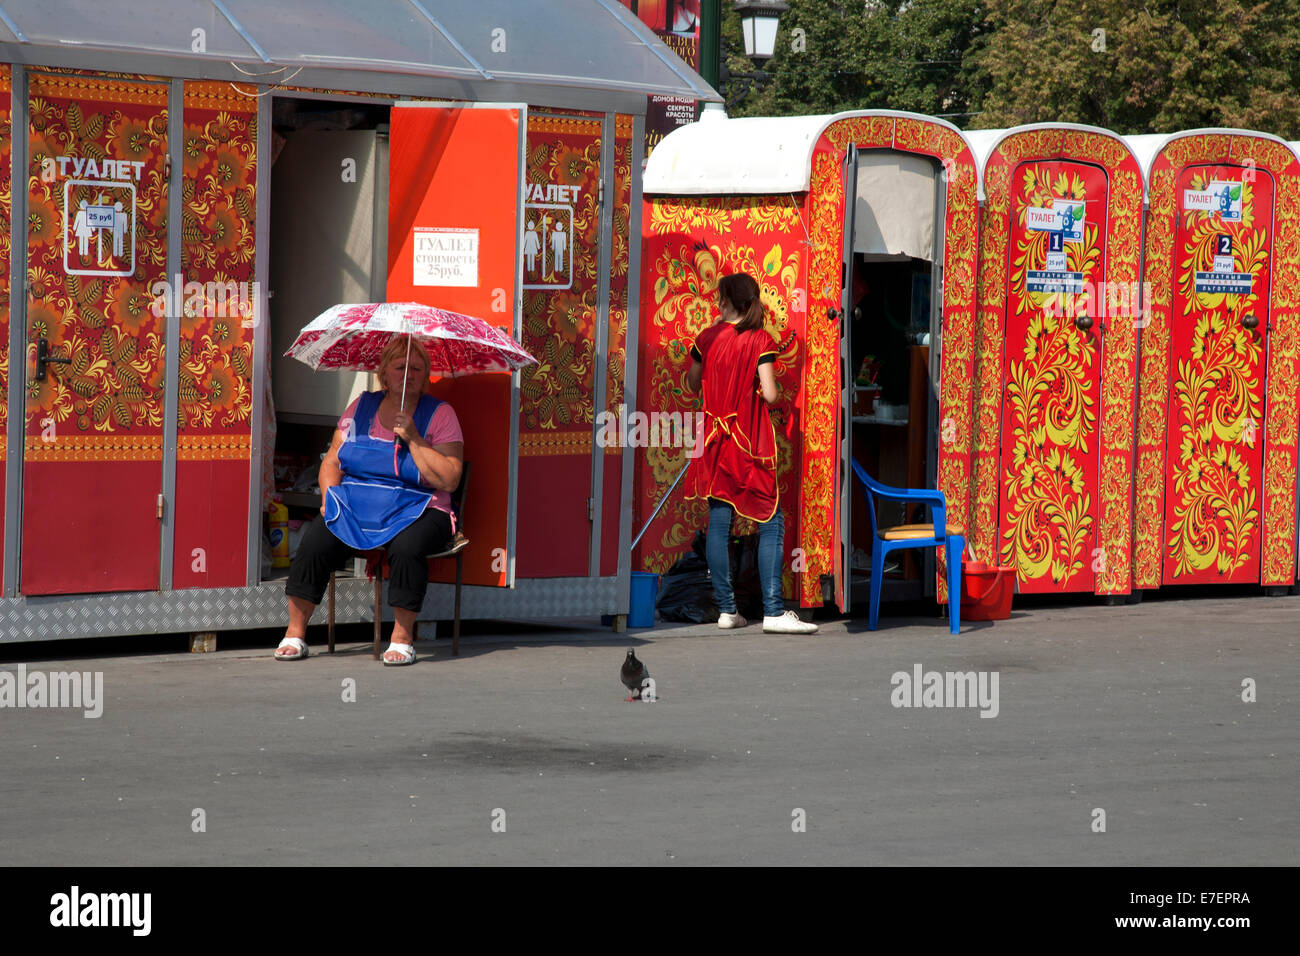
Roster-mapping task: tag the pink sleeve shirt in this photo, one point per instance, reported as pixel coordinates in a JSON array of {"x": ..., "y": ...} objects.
[{"x": 444, "y": 427}]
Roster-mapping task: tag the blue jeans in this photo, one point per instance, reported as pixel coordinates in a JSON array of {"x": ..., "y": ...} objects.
[{"x": 771, "y": 544}]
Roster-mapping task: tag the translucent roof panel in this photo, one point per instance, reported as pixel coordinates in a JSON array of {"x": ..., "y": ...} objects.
[
  {"x": 387, "y": 35},
  {"x": 6, "y": 34},
  {"x": 584, "y": 41},
  {"x": 167, "y": 28},
  {"x": 581, "y": 44}
]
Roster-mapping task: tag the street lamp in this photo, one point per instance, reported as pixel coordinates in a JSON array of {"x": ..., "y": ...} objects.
[{"x": 759, "y": 19}]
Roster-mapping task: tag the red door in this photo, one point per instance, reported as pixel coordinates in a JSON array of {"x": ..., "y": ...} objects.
[
  {"x": 454, "y": 210},
  {"x": 97, "y": 242},
  {"x": 1213, "y": 454},
  {"x": 1052, "y": 375}
]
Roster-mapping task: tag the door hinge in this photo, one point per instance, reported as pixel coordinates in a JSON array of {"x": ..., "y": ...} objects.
[
  {"x": 600, "y": 195},
  {"x": 161, "y": 501},
  {"x": 591, "y": 509}
]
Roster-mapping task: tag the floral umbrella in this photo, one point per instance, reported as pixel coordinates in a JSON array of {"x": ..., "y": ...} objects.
[{"x": 352, "y": 337}]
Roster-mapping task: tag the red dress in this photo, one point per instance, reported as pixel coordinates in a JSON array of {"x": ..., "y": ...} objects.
[{"x": 735, "y": 455}]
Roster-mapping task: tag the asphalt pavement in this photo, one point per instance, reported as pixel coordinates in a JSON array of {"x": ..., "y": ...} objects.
[{"x": 1116, "y": 736}]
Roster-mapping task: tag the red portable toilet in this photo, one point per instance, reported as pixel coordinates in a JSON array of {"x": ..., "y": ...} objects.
[
  {"x": 1056, "y": 356},
  {"x": 1216, "y": 476},
  {"x": 872, "y": 301}
]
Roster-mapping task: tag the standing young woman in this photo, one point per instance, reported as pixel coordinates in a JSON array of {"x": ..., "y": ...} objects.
[{"x": 736, "y": 466}]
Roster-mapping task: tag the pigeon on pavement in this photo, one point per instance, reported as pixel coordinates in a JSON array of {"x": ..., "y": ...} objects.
[{"x": 633, "y": 674}]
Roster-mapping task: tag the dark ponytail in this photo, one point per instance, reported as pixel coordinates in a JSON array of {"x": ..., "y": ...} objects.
[{"x": 742, "y": 292}]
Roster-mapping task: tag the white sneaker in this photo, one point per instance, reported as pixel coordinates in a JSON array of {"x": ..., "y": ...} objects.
[
  {"x": 788, "y": 623},
  {"x": 728, "y": 621}
]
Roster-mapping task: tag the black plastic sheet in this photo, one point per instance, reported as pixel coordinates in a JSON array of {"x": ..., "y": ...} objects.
[{"x": 686, "y": 591}]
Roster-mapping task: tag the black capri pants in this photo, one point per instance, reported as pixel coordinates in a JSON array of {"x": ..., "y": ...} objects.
[{"x": 320, "y": 552}]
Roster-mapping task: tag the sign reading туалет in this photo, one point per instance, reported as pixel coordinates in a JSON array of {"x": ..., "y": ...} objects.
[
  {"x": 1220, "y": 197},
  {"x": 445, "y": 256},
  {"x": 548, "y": 236},
  {"x": 99, "y": 226}
]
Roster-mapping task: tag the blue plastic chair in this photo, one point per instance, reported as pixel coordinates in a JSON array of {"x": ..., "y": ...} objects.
[{"x": 903, "y": 537}]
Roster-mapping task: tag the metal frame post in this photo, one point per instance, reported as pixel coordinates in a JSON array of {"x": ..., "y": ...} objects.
[
  {"x": 600, "y": 366},
  {"x": 261, "y": 320},
  {"x": 171, "y": 339},
  {"x": 13, "y": 502}
]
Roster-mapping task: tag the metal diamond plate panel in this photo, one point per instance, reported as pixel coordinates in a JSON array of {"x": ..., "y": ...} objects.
[{"x": 111, "y": 615}]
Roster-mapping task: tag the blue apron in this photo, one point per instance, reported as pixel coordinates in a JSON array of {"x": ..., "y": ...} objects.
[{"x": 372, "y": 504}]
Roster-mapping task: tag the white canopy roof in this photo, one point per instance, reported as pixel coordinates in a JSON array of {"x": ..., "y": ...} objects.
[
  {"x": 982, "y": 143},
  {"x": 753, "y": 156},
  {"x": 1146, "y": 146}
]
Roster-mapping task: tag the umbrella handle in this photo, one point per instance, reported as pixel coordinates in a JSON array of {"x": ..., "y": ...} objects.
[{"x": 406, "y": 370}]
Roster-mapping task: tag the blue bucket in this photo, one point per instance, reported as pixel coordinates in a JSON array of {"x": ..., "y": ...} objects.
[{"x": 645, "y": 589}]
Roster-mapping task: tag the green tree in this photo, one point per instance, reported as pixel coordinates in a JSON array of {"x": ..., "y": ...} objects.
[
  {"x": 833, "y": 56},
  {"x": 1157, "y": 66},
  {"x": 1133, "y": 66}
]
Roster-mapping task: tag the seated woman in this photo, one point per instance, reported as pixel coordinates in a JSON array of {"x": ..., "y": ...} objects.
[{"x": 379, "y": 490}]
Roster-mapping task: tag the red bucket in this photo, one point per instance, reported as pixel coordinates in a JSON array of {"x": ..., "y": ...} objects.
[{"x": 986, "y": 591}]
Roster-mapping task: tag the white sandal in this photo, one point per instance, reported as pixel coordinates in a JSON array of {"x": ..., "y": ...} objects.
[
  {"x": 292, "y": 644},
  {"x": 406, "y": 650}
]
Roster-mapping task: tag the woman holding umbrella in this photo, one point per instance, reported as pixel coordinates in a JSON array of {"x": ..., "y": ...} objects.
[{"x": 386, "y": 481}]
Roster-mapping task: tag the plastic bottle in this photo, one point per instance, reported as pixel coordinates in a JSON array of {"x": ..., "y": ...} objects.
[{"x": 279, "y": 534}]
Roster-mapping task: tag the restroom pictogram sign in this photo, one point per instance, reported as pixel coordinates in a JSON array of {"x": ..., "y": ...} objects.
[{"x": 98, "y": 227}]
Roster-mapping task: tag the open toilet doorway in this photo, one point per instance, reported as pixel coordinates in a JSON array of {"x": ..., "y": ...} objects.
[{"x": 893, "y": 239}]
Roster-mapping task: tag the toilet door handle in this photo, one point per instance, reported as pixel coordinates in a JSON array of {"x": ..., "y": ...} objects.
[{"x": 44, "y": 358}]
